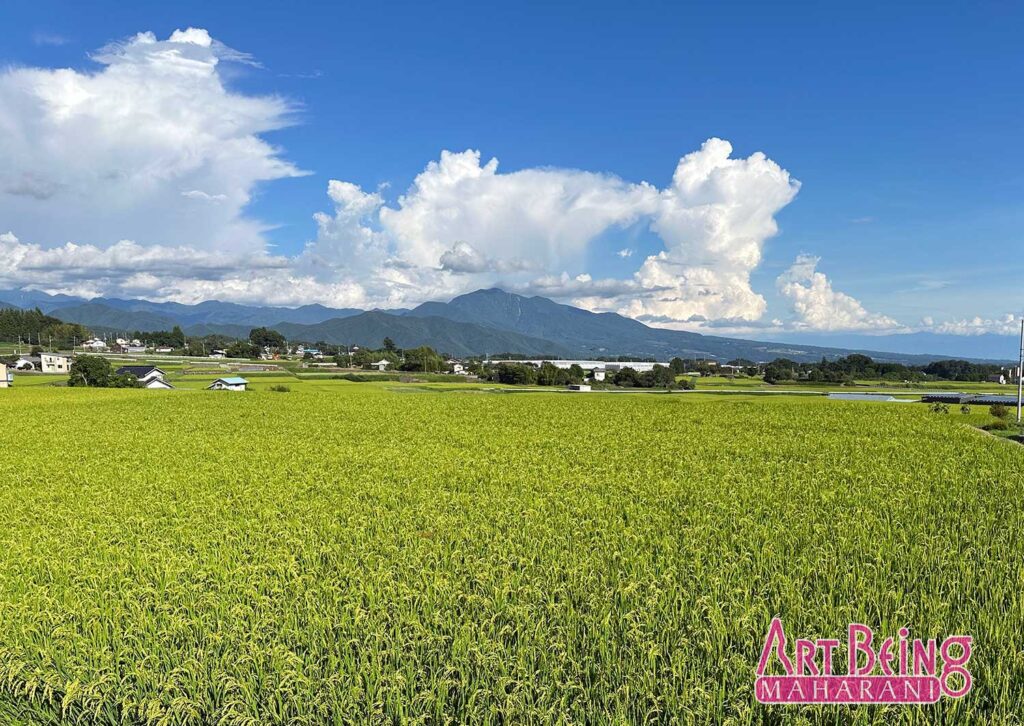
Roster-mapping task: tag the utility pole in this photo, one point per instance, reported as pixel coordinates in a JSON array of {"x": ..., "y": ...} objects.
[{"x": 1020, "y": 371}]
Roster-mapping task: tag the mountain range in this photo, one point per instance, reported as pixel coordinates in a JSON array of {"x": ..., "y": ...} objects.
[{"x": 486, "y": 321}]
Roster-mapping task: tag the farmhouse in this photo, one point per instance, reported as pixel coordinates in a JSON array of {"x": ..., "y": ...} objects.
[
  {"x": 228, "y": 384},
  {"x": 95, "y": 344},
  {"x": 381, "y": 365},
  {"x": 6, "y": 377},
  {"x": 28, "y": 363},
  {"x": 148, "y": 376},
  {"x": 55, "y": 363},
  {"x": 999, "y": 378}
]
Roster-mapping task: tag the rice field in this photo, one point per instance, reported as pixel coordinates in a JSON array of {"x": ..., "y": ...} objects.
[{"x": 344, "y": 553}]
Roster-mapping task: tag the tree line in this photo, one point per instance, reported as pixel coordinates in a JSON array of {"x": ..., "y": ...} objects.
[
  {"x": 36, "y": 328},
  {"x": 548, "y": 374},
  {"x": 861, "y": 367}
]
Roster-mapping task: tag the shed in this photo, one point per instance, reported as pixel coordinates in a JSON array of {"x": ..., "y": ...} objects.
[
  {"x": 381, "y": 365},
  {"x": 144, "y": 374},
  {"x": 6, "y": 377},
  {"x": 578, "y": 387},
  {"x": 228, "y": 384}
]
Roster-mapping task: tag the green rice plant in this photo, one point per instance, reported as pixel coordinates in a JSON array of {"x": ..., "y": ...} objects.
[{"x": 350, "y": 555}]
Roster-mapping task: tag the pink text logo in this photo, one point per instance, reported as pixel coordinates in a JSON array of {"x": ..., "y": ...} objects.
[{"x": 895, "y": 670}]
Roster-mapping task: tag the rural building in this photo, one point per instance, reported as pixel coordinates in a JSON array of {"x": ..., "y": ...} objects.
[
  {"x": 381, "y": 365},
  {"x": 217, "y": 353},
  {"x": 228, "y": 384},
  {"x": 28, "y": 363},
  {"x": 456, "y": 367},
  {"x": 164, "y": 349},
  {"x": 6, "y": 377},
  {"x": 55, "y": 363},
  {"x": 999, "y": 378},
  {"x": 146, "y": 375},
  {"x": 597, "y": 374},
  {"x": 94, "y": 344},
  {"x": 578, "y": 387}
]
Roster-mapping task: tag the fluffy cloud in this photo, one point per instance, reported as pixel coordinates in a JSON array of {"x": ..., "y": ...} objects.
[
  {"x": 818, "y": 306},
  {"x": 150, "y": 146},
  {"x": 546, "y": 216},
  {"x": 1008, "y": 324},
  {"x": 462, "y": 220},
  {"x": 714, "y": 220},
  {"x": 181, "y": 274}
]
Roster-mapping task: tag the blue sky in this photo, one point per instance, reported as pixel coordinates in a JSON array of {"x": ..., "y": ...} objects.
[{"x": 900, "y": 121}]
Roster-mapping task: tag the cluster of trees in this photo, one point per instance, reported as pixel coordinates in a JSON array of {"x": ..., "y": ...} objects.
[
  {"x": 862, "y": 367},
  {"x": 173, "y": 338},
  {"x": 96, "y": 372},
  {"x": 549, "y": 374},
  {"x": 657, "y": 377},
  {"x": 961, "y": 370},
  {"x": 33, "y": 326}
]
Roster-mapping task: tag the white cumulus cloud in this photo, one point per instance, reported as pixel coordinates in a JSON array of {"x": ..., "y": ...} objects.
[
  {"x": 818, "y": 306},
  {"x": 1008, "y": 324},
  {"x": 132, "y": 149}
]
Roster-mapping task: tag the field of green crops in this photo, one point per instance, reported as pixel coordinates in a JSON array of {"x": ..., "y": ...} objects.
[{"x": 377, "y": 554}]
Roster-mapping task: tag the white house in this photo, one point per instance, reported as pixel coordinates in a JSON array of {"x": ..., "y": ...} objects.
[
  {"x": 31, "y": 363},
  {"x": 164, "y": 349},
  {"x": 228, "y": 384},
  {"x": 6, "y": 377},
  {"x": 1000, "y": 379},
  {"x": 148, "y": 376},
  {"x": 597, "y": 374},
  {"x": 578, "y": 387},
  {"x": 94, "y": 344},
  {"x": 381, "y": 365},
  {"x": 55, "y": 363},
  {"x": 217, "y": 353},
  {"x": 456, "y": 367}
]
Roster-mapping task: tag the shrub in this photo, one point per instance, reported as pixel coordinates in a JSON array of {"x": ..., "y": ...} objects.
[
  {"x": 939, "y": 408},
  {"x": 999, "y": 410},
  {"x": 997, "y": 425},
  {"x": 965, "y": 409},
  {"x": 280, "y": 388}
]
